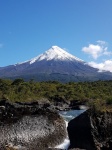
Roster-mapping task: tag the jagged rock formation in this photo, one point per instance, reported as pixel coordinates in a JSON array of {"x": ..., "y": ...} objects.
[
  {"x": 30, "y": 126},
  {"x": 91, "y": 131}
]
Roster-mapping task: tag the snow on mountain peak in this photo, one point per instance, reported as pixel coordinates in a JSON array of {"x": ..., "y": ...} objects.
[{"x": 55, "y": 53}]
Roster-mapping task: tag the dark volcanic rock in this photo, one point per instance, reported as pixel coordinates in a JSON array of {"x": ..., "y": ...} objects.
[
  {"x": 76, "y": 149},
  {"x": 91, "y": 131},
  {"x": 30, "y": 126},
  {"x": 54, "y": 149},
  {"x": 60, "y": 104},
  {"x": 75, "y": 104}
]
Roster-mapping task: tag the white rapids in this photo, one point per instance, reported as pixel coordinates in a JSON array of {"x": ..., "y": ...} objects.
[
  {"x": 68, "y": 115},
  {"x": 66, "y": 142}
]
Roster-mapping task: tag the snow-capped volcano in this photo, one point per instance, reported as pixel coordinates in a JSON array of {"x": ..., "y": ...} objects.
[
  {"x": 54, "y": 64},
  {"x": 54, "y": 53}
]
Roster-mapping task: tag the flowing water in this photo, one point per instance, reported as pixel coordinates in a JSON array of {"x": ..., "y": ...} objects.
[
  {"x": 68, "y": 115},
  {"x": 20, "y": 132}
]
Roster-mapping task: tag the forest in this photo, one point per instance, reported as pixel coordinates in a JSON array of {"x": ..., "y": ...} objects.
[{"x": 19, "y": 90}]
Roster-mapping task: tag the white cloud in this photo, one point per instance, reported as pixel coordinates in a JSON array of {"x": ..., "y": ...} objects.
[
  {"x": 106, "y": 65},
  {"x": 97, "y": 50},
  {"x": 94, "y": 50},
  {"x": 102, "y": 42},
  {"x": 1, "y": 45},
  {"x": 107, "y": 53}
]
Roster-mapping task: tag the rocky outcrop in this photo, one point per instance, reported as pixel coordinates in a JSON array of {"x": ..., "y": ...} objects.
[
  {"x": 30, "y": 126},
  {"x": 54, "y": 149},
  {"x": 75, "y": 104},
  {"x": 76, "y": 149},
  {"x": 61, "y": 104},
  {"x": 91, "y": 131}
]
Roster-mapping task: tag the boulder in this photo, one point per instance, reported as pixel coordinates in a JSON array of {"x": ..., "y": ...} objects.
[
  {"x": 91, "y": 131},
  {"x": 76, "y": 104},
  {"x": 76, "y": 149},
  {"x": 25, "y": 126},
  {"x": 54, "y": 149}
]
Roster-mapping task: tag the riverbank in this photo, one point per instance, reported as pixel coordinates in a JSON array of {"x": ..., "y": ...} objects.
[
  {"x": 30, "y": 126},
  {"x": 91, "y": 131},
  {"x": 35, "y": 126}
]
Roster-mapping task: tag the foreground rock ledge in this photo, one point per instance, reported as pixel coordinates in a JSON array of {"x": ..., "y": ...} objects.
[
  {"x": 91, "y": 131},
  {"x": 30, "y": 126}
]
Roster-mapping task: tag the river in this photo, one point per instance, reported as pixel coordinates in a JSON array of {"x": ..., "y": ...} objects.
[{"x": 68, "y": 115}]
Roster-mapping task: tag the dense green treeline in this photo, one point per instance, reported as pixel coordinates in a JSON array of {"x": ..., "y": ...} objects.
[{"x": 19, "y": 90}]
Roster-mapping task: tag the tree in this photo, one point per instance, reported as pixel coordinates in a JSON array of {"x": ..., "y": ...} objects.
[{"x": 17, "y": 81}]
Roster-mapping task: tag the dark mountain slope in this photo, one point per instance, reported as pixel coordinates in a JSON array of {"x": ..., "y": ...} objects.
[{"x": 54, "y": 64}]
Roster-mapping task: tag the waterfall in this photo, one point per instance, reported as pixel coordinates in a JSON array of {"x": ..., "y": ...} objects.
[
  {"x": 68, "y": 115},
  {"x": 66, "y": 142}
]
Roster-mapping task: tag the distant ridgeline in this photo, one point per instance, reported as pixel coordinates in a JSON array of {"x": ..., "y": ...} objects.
[{"x": 64, "y": 78}]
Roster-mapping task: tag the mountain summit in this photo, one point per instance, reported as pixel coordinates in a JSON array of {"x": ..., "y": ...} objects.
[
  {"x": 55, "y": 53},
  {"x": 54, "y": 64}
]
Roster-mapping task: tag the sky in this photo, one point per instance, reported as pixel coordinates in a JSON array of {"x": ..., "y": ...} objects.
[{"x": 82, "y": 27}]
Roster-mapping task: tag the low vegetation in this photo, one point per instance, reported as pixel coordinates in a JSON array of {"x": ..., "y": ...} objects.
[{"x": 98, "y": 93}]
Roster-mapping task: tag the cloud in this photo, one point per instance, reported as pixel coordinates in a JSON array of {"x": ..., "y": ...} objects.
[
  {"x": 102, "y": 42},
  {"x": 106, "y": 65},
  {"x": 97, "y": 50},
  {"x": 1, "y": 45},
  {"x": 94, "y": 50}
]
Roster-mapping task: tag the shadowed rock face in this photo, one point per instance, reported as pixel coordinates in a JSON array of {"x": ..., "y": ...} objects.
[
  {"x": 79, "y": 131},
  {"x": 91, "y": 131},
  {"x": 29, "y": 126}
]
